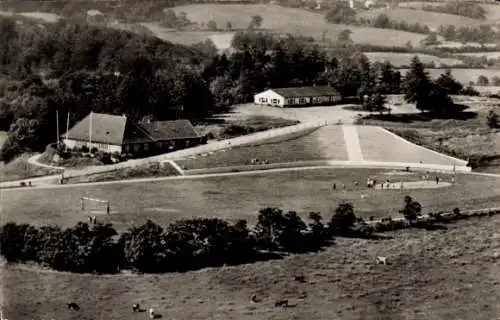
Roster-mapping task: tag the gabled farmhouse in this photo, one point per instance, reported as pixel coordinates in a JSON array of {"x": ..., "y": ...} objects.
[
  {"x": 298, "y": 96},
  {"x": 116, "y": 134}
]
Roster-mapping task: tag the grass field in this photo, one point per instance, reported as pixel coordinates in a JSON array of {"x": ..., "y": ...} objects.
[
  {"x": 290, "y": 20},
  {"x": 380, "y": 145},
  {"x": 489, "y": 55},
  {"x": 467, "y": 137},
  {"x": 241, "y": 196},
  {"x": 446, "y": 274},
  {"x": 404, "y": 59},
  {"x": 462, "y": 75},
  {"x": 431, "y": 19},
  {"x": 326, "y": 143}
]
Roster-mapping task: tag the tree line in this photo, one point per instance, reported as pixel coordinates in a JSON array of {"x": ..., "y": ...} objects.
[
  {"x": 184, "y": 245},
  {"x": 460, "y": 8}
]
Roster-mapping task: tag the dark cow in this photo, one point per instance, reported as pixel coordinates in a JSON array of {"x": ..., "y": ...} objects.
[{"x": 73, "y": 306}]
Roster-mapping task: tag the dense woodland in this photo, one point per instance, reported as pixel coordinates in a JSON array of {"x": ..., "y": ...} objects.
[{"x": 79, "y": 68}]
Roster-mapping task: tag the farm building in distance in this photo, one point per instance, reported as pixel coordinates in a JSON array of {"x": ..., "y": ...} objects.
[
  {"x": 298, "y": 96},
  {"x": 116, "y": 134}
]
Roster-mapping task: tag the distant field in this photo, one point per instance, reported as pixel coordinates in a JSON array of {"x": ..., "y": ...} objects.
[
  {"x": 462, "y": 75},
  {"x": 326, "y": 143},
  {"x": 401, "y": 59},
  {"x": 241, "y": 196},
  {"x": 489, "y": 55},
  {"x": 431, "y": 19},
  {"x": 290, "y": 20},
  {"x": 492, "y": 11}
]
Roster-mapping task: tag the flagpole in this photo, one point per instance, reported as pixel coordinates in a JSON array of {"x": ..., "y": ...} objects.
[
  {"x": 67, "y": 129},
  {"x": 90, "y": 132},
  {"x": 57, "y": 125}
]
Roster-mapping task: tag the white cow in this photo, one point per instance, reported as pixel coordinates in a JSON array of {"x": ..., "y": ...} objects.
[
  {"x": 151, "y": 313},
  {"x": 382, "y": 260}
]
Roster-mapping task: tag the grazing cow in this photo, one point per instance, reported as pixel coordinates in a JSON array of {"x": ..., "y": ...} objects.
[
  {"x": 301, "y": 279},
  {"x": 73, "y": 306},
  {"x": 90, "y": 219},
  {"x": 151, "y": 313},
  {"x": 254, "y": 298},
  {"x": 136, "y": 307},
  {"x": 382, "y": 260},
  {"x": 281, "y": 303}
]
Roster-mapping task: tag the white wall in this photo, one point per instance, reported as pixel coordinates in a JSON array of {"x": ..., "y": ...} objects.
[
  {"x": 100, "y": 146},
  {"x": 269, "y": 97}
]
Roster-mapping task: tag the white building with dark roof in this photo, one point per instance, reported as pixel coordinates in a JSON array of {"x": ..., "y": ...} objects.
[
  {"x": 115, "y": 134},
  {"x": 298, "y": 96}
]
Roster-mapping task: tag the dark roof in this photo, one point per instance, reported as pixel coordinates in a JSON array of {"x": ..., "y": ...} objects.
[
  {"x": 296, "y": 92},
  {"x": 106, "y": 128},
  {"x": 169, "y": 130},
  {"x": 134, "y": 133}
]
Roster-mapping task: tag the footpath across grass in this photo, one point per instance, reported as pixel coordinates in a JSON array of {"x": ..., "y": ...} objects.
[{"x": 20, "y": 169}]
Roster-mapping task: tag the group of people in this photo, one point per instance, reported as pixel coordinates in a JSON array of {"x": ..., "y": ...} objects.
[{"x": 372, "y": 183}]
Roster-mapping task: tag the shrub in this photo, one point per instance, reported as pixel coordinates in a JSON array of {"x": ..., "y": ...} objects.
[
  {"x": 412, "y": 209},
  {"x": 278, "y": 231},
  {"x": 84, "y": 149},
  {"x": 12, "y": 241},
  {"x": 343, "y": 219},
  {"x": 492, "y": 120}
]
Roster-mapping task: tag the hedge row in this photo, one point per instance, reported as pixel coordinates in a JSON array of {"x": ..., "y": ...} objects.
[{"x": 195, "y": 243}]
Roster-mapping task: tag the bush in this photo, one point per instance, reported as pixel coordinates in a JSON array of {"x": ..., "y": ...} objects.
[
  {"x": 343, "y": 219},
  {"x": 412, "y": 209},
  {"x": 278, "y": 231},
  {"x": 492, "y": 120}
]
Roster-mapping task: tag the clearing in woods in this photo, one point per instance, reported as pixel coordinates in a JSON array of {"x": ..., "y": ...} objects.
[
  {"x": 431, "y": 275},
  {"x": 464, "y": 76}
]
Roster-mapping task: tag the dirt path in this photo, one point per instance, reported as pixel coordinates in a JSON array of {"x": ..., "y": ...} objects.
[{"x": 353, "y": 146}]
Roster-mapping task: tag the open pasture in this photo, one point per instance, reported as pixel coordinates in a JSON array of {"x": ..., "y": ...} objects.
[
  {"x": 290, "y": 20},
  {"x": 462, "y": 75},
  {"x": 431, "y": 19},
  {"x": 404, "y": 59},
  {"x": 446, "y": 274},
  {"x": 489, "y": 55},
  {"x": 241, "y": 196},
  {"x": 326, "y": 143}
]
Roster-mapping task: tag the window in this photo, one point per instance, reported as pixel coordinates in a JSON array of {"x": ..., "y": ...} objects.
[
  {"x": 302, "y": 100},
  {"x": 290, "y": 101},
  {"x": 274, "y": 101},
  {"x": 127, "y": 148},
  {"x": 263, "y": 99},
  {"x": 146, "y": 147},
  {"x": 159, "y": 145}
]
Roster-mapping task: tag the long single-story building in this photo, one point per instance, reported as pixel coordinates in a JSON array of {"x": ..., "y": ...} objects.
[
  {"x": 298, "y": 96},
  {"x": 115, "y": 134}
]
